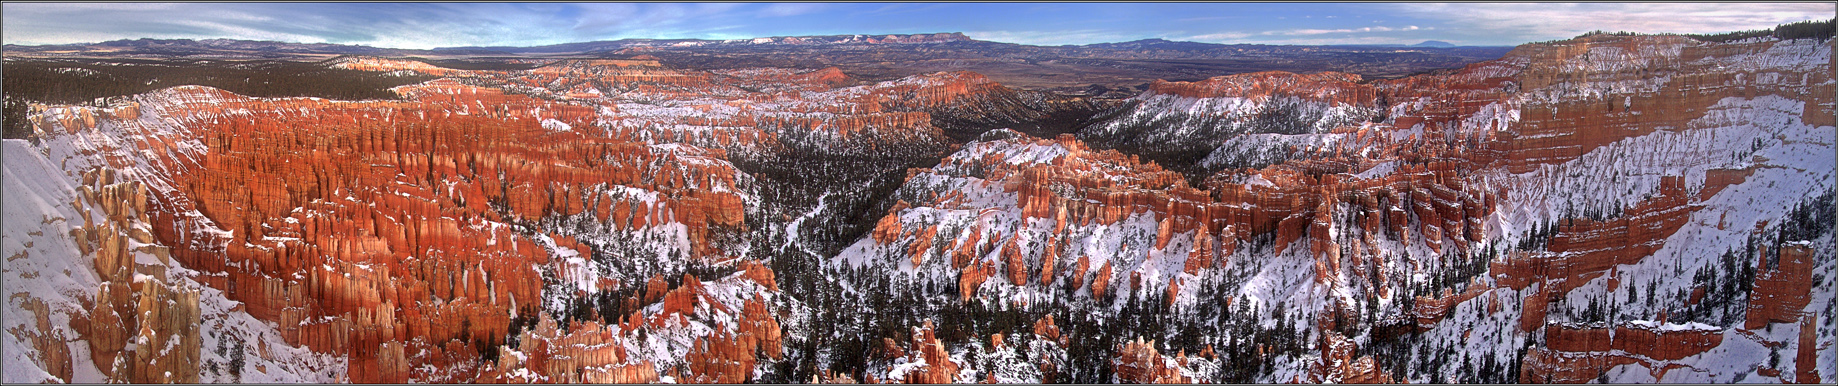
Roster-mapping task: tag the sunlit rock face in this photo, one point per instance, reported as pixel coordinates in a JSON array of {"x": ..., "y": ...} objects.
[
  {"x": 399, "y": 234},
  {"x": 1606, "y": 208},
  {"x": 1496, "y": 207}
]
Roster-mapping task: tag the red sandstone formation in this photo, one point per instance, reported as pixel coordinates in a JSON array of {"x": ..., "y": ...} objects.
[
  {"x": 1781, "y": 287},
  {"x": 1431, "y": 190},
  {"x": 588, "y": 353},
  {"x": 1337, "y": 364},
  {"x": 923, "y": 246},
  {"x": 972, "y": 278},
  {"x": 1138, "y": 362},
  {"x": 1546, "y": 366},
  {"x": 1011, "y": 260},
  {"x": 138, "y": 328},
  {"x": 1100, "y": 282},
  {"x": 1656, "y": 344},
  {"x": 1048, "y": 260},
  {"x": 888, "y": 229},
  {"x": 381, "y": 235},
  {"x": 1046, "y": 330},
  {"x": 1202, "y": 255},
  {"x": 890, "y": 349},
  {"x": 966, "y": 252},
  {"x": 53, "y": 353},
  {"x": 1430, "y": 310},
  {"x": 1806, "y": 361},
  {"x": 1174, "y": 292},
  {"x": 938, "y": 365},
  {"x": 363, "y": 63},
  {"x": 759, "y": 273},
  {"x": 344, "y": 233},
  {"x": 1325, "y": 86},
  {"x": 1584, "y": 249},
  {"x": 592, "y": 352},
  {"x": 1079, "y": 270},
  {"x": 1578, "y": 354}
]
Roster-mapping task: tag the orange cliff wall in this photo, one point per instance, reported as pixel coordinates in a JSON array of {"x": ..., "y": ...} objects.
[
  {"x": 1431, "y": 199},
  {"x": 139, "y": 328},
  {"x": 1574, "y": 354},
  {"x": 1661, "y": 82},
  {"x": 1324, "y": 86},
  {"x": 342, "y": 234},
  {"x": 1138, "y": 362},
  {"x": 1782, "y": 287},
  {"x": 1585, "y": 249}
]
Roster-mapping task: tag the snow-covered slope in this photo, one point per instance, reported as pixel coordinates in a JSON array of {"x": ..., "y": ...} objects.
[
  {"x": 52, "y": 282},
  {"x": 1607, "y": 208},
  {"x": 1473, "y": 230}
]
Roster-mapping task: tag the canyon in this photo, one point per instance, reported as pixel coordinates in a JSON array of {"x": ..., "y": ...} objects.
[{"x": 1607, "y": 208}]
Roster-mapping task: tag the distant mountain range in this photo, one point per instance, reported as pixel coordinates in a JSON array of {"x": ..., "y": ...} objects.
[
  {"x": 608, "y": 45},
  {"x": 1123, "y": 67},
  {"x": 189, "y": 47},
  {"x": 271, "y": 49},
  {"x": 1424, "y": 44}
]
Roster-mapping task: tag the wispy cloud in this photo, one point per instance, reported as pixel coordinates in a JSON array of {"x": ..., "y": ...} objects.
[
  {"x": 791, "y": 9},
  {"x": 1344, "y": 30},
  {"x": 413, "y": 25},
  {"x": 1361, "y": 35},
  {"x": 1335, "y": 40},
  {"x": 1543, "y": 21},
  {"x": 1222, "y": 37},
  {"x": 1207, "y": 18},
  {"x": 1053, "y": 38}
]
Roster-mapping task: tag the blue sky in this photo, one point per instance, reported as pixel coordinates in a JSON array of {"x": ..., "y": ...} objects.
[{"x": 428, "y": 25}]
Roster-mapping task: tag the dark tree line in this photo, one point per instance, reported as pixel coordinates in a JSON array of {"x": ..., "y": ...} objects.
[
  {"x": 1822, "y": 30},
  {"x": 1729, "y": 280},
  {"x": 85, "y": 81},
  {"x": 1457, "y": 269},
  {"x": 1814, "y": 29}
]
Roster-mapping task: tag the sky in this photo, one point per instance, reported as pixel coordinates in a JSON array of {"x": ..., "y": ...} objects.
[{"x": 430, "y": 25}]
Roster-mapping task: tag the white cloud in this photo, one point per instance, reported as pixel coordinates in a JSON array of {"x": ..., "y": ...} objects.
[
  {"x": 1054, "y": 38},
  {"x": 1342, "y": 30},
  {"x": 1543, "y": 21},
  {"x": 1224, "y": 37},
  {"x": 416, "y": 25},
  {"x": 1337, "y": 40},
  {"x": 250, "y": 33},
  {"x": 600, "y": 16},
  {"x": 1206, "y": 18},
  {"x": 41, "y": 7},
  {"x": 791, "y": 9}
]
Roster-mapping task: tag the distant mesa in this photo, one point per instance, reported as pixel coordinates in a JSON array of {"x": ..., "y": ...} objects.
[
  {"x": 1433, "y": 44},
  {"x": 613, "y": 45},
  {"x": 867, "y": 56}
]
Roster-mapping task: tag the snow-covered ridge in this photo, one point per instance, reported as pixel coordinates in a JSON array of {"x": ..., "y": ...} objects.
[
  {"x": 1744, "y": 128},
  {"x": 47, "y": 266},
  {"x": 1178, "y": 115}
]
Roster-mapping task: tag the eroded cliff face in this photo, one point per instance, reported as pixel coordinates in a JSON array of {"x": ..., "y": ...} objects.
[
  {"x": 1181, "y": 123},
  {"x": 94, "y": 297},
  {"x": 409, "y": 238},
  {"x": 1569, "y": 190},
  {"x": 1621, "y": 208}
]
